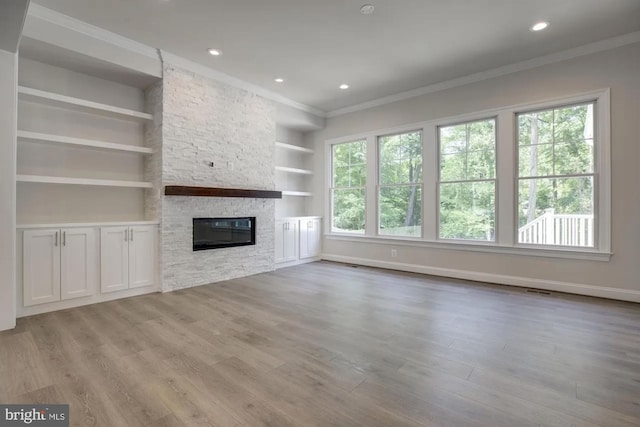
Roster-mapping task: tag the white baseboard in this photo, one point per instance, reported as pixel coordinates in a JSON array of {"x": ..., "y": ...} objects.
[
  {"x": 525, "y": 282},
  {"x": 78, "y": 302},
  {"x": 297, "y": 262}
]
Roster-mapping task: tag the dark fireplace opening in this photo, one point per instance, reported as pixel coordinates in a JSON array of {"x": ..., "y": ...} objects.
[{"x": 214, "y": 233}]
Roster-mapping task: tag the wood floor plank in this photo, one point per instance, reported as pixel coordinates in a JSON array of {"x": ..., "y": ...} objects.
[
  {"x": 415, "y": 407},
  {"x": 326, "y": 344},
  {"x": 21, "y": 365},
  {"x": 294, "y": 401},
  {"x": 348, "y": 405},
  {"x": 126, "y": 391},
  {"x": 189, "y": 405},
  {"x": 418, "y": 374},
  {"x": 247, "y": 407},
  {"x": 593, "y": 414}
]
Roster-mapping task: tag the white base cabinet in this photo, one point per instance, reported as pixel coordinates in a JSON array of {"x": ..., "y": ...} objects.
[
  {"x": 127, "y": 257},
  {"x": 297, "y": 240},
  {"x": 79, "y": 263},
  {"x": 87, "y": 262},
  {"x": 59, "y": 264},
  {"x": 114, "y": 259},
  {"x": 310, "y": 238},
  {"x": 286, "y": 240}
]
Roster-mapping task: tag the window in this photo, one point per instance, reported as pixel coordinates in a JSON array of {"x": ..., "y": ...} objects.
[
  {"x": 349, "y": 169},
  {"x": 400, "y": 185},
  {"x": 556, "y": 176},
  {"x": 467, "y": 184},
  {"x": 531, "y": 180}
]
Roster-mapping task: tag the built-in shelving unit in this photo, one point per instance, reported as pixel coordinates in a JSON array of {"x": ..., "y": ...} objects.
[
  {"x": 57, "y": 100},
  {"x": 81, "y": 145},
  {"x": 80, "y": 142},
  {"x": 82, "y": 181},
  {"x": 291, "y": 161},
  {"x": 86, "y": 212}
]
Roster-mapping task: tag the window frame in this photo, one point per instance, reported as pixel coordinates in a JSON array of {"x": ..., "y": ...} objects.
[
  {"x": 379, "y": 184},
  {"x": 332, "y": 187},
  {"x": 594, "y": 174},
  {"x": 506, "y": 177},
  {"x": 439, "y": 182}
]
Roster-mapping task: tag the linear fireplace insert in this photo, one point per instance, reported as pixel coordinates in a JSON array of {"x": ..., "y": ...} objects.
[{"x": 214, "y": 233}]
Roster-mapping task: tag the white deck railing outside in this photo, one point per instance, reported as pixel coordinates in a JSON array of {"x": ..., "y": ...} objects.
[{"x": 563, "y": 230}]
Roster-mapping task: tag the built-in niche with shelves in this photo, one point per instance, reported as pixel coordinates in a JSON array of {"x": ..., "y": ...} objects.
[
  {"x": 81, "y": 147},
  {"x": 293, "y": 173}
]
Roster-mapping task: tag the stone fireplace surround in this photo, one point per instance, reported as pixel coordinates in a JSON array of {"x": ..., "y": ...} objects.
[{"x": 209, "y": 134}]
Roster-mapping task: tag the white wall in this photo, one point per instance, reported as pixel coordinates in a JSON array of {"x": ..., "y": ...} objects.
[
  {"x": 8, "y": 102},
  {"x": 207, "y": 121},
  {"x": 618, "y": 69}
]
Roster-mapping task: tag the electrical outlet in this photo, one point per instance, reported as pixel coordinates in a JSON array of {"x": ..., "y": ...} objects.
[
  {"x": 394, "y": 253},
  {"x": 230, "y": 166}
]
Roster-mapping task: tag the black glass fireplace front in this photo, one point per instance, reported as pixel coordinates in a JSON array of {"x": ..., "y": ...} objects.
[{"x": 214, "y": 233}]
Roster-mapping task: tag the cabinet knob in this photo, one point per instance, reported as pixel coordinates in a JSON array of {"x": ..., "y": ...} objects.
[{"x": 56, "y": 241}]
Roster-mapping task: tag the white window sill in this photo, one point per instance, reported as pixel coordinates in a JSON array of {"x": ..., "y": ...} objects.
[{"x": 489, "y": 247}]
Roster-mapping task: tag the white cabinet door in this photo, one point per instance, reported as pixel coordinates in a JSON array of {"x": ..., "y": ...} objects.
[
  {"x": 79, "y": 262},
  {"x": 291, "y": 241},
  {"x": 41, "y": 266},
  {"x": 142, "y": 256},
  {"x": 114, "y": 259},
  {"x": 279, "y": 245},
  {"x": 309, "y": 238}
]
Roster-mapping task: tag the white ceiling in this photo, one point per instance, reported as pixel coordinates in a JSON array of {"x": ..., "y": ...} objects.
[{"x": 317, "y": 45}]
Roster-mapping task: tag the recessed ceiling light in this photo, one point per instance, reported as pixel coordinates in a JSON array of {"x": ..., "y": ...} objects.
[
  {"x": 367, "y": 9},
  {"x": 279, "y": 80},
  {"x": 214, "y": 52},
  {"x": 344, "y": 86},
  {"x": 539, "y": 26}
]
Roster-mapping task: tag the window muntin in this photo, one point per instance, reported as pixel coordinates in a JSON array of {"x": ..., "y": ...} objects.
[
  {"x": 400, "y": 184},
  {"x": 467, "y": 183},
  {"x": 556, "y": 177},
  {"x": 348, "y": 187}
]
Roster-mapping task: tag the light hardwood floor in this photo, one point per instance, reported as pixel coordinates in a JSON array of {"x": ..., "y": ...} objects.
[{"x": 332, "y": 345}]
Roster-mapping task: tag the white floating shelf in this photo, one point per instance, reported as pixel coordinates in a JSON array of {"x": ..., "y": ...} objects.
[
  {"x": 57, "y": 100},
  {"x": 82, "y": 181},
  {"x": 294, "y": 147},
  {"x": 88, "y": 143},
  {"x": 294, "y": 170},
  {"x": 297, "y": 193}
]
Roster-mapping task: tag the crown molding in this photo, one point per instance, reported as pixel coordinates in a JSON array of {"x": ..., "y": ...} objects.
[
  {"x": 588, "y": 49},
  {"x": 169, "y": 58}
]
